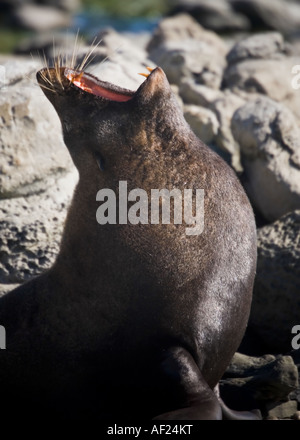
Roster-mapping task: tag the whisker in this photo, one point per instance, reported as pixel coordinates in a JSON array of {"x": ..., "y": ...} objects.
[
  {"x": 77, "y": 66},
  {"x": 46, "y": 62},
  {"x": 84, "y": 62},
  {"x": 75, "y": 49},
  {"x": 47, "y": 88},
  {"x": 56, "y": 64}
]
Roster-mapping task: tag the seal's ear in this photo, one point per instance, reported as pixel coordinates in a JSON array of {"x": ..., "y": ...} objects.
[{"x": 100, "y": 161}]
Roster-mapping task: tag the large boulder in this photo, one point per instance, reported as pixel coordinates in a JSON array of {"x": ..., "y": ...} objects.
[
  {"x": 265, "y": 383},
  {"x": 31, "y": 144},
  {"x": 276, "y": 295},
  {"x": 283, "y": 16},
  {"x": 31, "y": 229},
  {"x": 269, "y": 139},
  {"x": 222, "y": 104},
  {"x": 217, "y": 15},
  {"x": 40, "y": 15},
  {"x": 186, "y": 50},
  {"x": 263, "y": 63}
]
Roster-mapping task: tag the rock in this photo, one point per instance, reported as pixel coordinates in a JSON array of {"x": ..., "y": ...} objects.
[
  {"x": 115, "y": 43},
  {"x": 224, "y": 107},
  {"x": 276, "y": 300},
  {"x": 65, "y": 5},
  {"x": 183, "y": 27},
  {"x": 263, "y": 64},
  {"x": 268, "y": 136},
  {"x": 5, "y": 288},
  {"x": 242, "y": 365},
  {"x": 202, "y": 121},
  {"x": 283, "y": 16},
  {"x": 185, "y": 50},
  {"x": 296, "y": 415},
  {"x": 217, "y": 15},
  {"x": 39, "y": 18},
  {"x": 46, "y": 45},
  {"x": 259, "y": 46},
  {"x": 282, "y": 410},
  {"x": 251, "y": 382},
  {"x": 223, "y": 104},
  {"x": 31, "y": 144},
  {"x": 31, "y": 229},
  {"x": 198, "y": 94}
]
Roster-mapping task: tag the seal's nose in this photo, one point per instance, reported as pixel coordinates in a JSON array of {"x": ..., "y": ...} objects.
[{"x": 156, "y": 83}]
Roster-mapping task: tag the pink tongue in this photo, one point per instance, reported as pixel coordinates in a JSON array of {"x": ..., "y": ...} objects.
[{"x": 95, "y": 89}]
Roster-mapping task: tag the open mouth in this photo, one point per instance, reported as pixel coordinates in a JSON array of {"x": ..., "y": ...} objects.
[
  {"x": 105, "y": 90},
  {"x": 57, "y": 78}
]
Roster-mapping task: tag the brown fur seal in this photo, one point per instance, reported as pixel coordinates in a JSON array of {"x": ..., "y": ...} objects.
[{"x": 139, "y": 320}]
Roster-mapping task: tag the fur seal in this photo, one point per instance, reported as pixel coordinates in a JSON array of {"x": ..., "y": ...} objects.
[{"x": 139, "y": 320}]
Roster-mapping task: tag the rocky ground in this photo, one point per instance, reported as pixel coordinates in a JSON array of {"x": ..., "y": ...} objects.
[{"x": 240, "y": 94}]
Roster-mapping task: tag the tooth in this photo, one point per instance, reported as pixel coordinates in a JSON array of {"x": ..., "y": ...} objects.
[
  {"x": 150, "y": 69},
  {"x": 145, "y": 74},
  {"x": 78, "y": 77}
]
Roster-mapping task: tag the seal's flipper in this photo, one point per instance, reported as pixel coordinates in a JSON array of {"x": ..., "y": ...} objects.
[
  {"x": 231, "y": 414},
  {"x": 184, "y": 379}
]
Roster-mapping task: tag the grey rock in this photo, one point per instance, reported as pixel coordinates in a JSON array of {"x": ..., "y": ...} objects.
[
  {"x": 39, "y": 18},
  {"x": 223, "y": 104},
  {"x": 198, "y": 94},
  {"x": 119, "y": 44},
  {"x": 251, "y": 382},
  {"x": 243, "y": 365},
  {"x": 31, "y": 229},
  {"x": 65, "y": 5},
  {"x": 5, "y": 288},
  {"x": 282, "y": 410},
  {"x": 296, "y": 415},
  {"x": 48, "y": 45},
  {"x": 202, "y": 121},
  {"x": 185, "y": 50},
  {"x": 263, "y": 64},
  {"x": 276, "y": 300},
  {"x": 182, "y": 27},
  {"x": 265, "y": 45},
  {"x": 268, "y": 136},
  {"x": 31, "y": 144},
  {"x": 217, "y": 15},
  {"x": 283, "y": 16},
  {"x": 224, "y": 107}
]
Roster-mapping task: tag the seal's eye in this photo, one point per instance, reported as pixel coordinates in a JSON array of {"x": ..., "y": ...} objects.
[{"x": 90, "y": 84}]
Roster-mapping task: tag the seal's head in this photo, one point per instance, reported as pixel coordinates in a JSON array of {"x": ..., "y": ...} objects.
[{"x": 108, "y": 121}]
